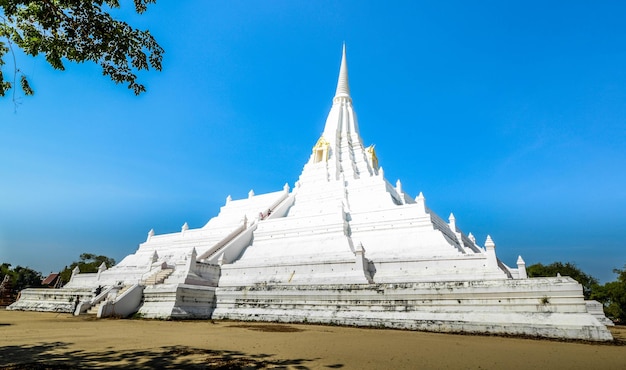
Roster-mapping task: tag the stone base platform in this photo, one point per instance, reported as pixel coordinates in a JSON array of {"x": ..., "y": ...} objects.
[{"x": 544, "y": 307}]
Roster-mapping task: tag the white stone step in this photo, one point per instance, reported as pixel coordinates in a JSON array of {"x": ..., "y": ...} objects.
[
  {"x": 94, "y": 309},
  {"x": 158, "y": 277}
]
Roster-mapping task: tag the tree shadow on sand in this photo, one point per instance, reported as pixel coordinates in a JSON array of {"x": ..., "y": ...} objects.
[{"x": 58, "y": 355}]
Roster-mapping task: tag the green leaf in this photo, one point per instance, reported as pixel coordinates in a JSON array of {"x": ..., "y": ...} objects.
[{"x": 26, "y": 86}]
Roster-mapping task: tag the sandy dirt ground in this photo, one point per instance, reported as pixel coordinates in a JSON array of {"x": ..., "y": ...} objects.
[{"x": 35, "y": 340}]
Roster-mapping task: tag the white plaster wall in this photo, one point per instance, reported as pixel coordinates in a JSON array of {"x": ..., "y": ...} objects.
[
  {"x": 455, "y": 268},
  {"x": 178, "y": 301},
  {"x": 329, "y": 272}
]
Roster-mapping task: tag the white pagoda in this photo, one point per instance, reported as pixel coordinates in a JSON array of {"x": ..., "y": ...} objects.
[{"x": 344, "y": 246}]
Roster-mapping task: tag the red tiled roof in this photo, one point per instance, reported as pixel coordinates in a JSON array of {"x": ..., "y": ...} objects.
[{"x": 50, "y": 279}]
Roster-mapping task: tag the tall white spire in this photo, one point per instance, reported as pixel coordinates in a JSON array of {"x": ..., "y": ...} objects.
[
  {"x": 345, "y": 155},
  {"x": 343, "y": 88},
  {"x": 341, "y": 123}
]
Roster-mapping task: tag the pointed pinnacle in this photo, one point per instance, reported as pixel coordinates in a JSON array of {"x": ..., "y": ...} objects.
[{"x": 343, "y": 89}]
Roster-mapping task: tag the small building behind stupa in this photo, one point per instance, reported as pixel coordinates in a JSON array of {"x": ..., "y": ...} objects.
[{"x": 342, "y": 246}]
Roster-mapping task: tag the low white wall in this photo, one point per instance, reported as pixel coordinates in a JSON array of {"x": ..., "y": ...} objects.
[{"x": 50, "y": 300}]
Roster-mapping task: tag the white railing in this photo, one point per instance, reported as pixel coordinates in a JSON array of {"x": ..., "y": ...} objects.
[{"x": 123, "y": 305}]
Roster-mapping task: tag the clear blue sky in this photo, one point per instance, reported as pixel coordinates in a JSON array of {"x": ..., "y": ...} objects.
[{"x": 511, "y": 114}]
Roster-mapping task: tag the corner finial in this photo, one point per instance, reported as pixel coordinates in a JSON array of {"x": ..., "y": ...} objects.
[
  {"x": 489, "y": 243},
  {"x": 421, "y": 202},
  {"x": 343, "y": 88},
  {"x": 521, "y": 268},
  {"x": 452, "y": 222}
]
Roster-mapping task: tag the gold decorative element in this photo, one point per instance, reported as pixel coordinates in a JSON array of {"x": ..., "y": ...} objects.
[
  {"x": 320, "y": 150},
  {"x": 371, "y": 155}
]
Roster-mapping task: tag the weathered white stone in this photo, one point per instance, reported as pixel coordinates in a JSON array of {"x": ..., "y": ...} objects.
[
  {"x": 344, "y": 246},
  {"x": 595, "y": 308},
  {"x": 51, "y": 300}
]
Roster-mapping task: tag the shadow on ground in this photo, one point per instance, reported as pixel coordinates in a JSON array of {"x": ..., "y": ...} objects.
[
  {"x": 58, "y": 355},
  {"x": 268, "y": 328}
]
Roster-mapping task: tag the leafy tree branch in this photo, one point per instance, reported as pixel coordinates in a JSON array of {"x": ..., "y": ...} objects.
[{"x": 76, "y": 31}]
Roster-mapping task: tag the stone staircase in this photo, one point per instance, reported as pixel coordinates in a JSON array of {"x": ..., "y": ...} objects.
[
  {"x": 159, "y": 277},
  {"x": 154, "y": 279},
  {"x": 93, "y": 310}
]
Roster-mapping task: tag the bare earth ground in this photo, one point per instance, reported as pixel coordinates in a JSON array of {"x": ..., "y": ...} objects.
[{"x": 35, "y": 340}]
